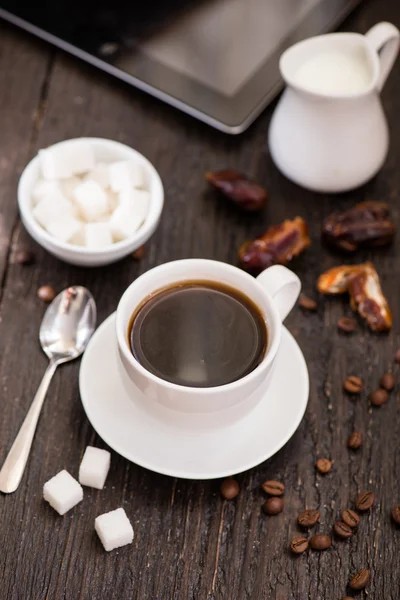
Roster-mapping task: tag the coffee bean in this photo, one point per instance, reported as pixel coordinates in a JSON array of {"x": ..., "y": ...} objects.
[
  {"x": 139, "y": 253},
  {"x": 396, "y": 514},
  {"x": 24, "y": 257},
  {"x": 379, "y": 397},
  {"x": 307, "y": 303},
  {"x": 308, "y": 518},
  {"x": 320, "y": 542},
  {"x": 353, "y": 384},
  {"x": 388, "y": 381},
  {"x": 273, "y": 488},
  {"x": 324, "y": 465},
  {"x": 342, "y": 530},
  {"x": 360, "y": 579},
  {"x": 350, "y": 517},
  {"x": 273, "y": 506},
  {"x": 299, "y": 545},
  {"x": 229, "y": 488},
  {"x": 397, "y": 356},
  {"x": 46, "y": 293},
  {"x": 347, "y": 325},
  {"x": 355, "y": 440},
  {"x": 365, "y": 500}
]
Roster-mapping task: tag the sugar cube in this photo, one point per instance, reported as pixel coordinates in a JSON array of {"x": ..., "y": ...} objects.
[
  {"x": 100, "y": 174},
  {"x": 124, "y": 222},
  {"x": 79, "y": 238},
  {"x": 114, "y": 529},
  {"x": 51, "y": 207},
  {"x": 43, "y": 188},
  {"x": 52, "y": 164},
  {"x": 138, "y": 199},
  {"x": 98, "y": 235},
  {"x": 113, "y": 200},
  {"x": 81, "y": 157},
  {"x": 91, "y": 200},
  {"x": 94, "y": 467},
  {"x": 125, "y": 174},
  {"x": 68, "y": 185},
  {"x": 61, "y": 162},
  {"x": 62, "y": 492},
  {"x": 64, "y": 227}
]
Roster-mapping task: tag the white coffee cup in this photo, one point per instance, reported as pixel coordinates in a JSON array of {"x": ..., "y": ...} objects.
[{"x": 274, "y": 291}]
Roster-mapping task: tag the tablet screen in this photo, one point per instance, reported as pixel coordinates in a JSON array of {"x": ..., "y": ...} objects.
[{"x": 223, "y": 43}]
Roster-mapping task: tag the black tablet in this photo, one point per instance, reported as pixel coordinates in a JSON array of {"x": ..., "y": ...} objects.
[{"x": 214, "y": 59}]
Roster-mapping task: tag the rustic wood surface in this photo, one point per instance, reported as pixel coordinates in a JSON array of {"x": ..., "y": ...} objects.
[{"x": 189, "y": 544}]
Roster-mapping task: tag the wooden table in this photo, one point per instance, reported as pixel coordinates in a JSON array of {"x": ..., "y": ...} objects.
[{"x": 189, "y": 544}]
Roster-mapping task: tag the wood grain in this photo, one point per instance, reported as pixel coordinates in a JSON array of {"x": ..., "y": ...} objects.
[{"x": 189, "y": 544}]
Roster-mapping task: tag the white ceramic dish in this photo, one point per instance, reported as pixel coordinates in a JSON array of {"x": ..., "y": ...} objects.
[
  {"x": 200, "y": 446},
  {"x": 104, "y": 151}
]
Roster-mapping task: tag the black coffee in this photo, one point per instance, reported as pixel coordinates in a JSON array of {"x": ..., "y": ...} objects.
[{"x": 198, "y": 334}]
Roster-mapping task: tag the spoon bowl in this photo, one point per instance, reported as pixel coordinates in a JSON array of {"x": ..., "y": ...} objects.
[{"x": 68, "y": 324}]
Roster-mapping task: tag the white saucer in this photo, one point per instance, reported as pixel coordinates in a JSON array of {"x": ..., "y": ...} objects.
[{"x": 139, "y": 435}]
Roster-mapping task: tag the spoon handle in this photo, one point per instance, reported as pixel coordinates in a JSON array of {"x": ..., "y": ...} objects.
[{"x": 14, "y": 465}]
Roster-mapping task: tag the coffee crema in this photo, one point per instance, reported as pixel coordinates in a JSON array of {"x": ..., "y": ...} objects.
[{"x": 198, "y": 334}]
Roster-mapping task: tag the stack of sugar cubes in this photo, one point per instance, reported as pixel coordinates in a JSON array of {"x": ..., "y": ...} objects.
[
  {"x": 63, "y": 492},
  {"x": 87, "y": 203}
]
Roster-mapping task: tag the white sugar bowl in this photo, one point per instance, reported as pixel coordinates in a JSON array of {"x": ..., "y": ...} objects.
[{"x": 104, "y": 151}]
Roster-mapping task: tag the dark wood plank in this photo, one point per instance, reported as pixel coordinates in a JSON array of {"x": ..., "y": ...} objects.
[
  {"x": 24, "y": 69},
  {"x": 189, "y": 544}
]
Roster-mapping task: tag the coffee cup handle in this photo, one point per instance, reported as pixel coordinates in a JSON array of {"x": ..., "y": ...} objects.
[{"x": 283, "y": 286}]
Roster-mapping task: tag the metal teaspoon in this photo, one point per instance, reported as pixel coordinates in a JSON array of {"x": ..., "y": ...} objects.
[{"x": 65, "y": 331}]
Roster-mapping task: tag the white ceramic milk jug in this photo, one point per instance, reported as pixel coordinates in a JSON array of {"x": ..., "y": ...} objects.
[{"x": 329, "y": 132}]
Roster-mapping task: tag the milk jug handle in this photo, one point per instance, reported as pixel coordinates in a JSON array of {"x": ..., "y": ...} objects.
[{"x": 385, "y": 39}]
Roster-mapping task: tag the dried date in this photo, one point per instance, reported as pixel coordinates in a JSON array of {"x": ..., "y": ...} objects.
[
  {"x": 278, "y": 245},
  {"x": 367, "y": 298},
  {"x": 364, "y": 225},
  {"x": 336, "y": 280},
  {"x": 244, "y": 192},
  {"x": 363, "y": 285}
]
